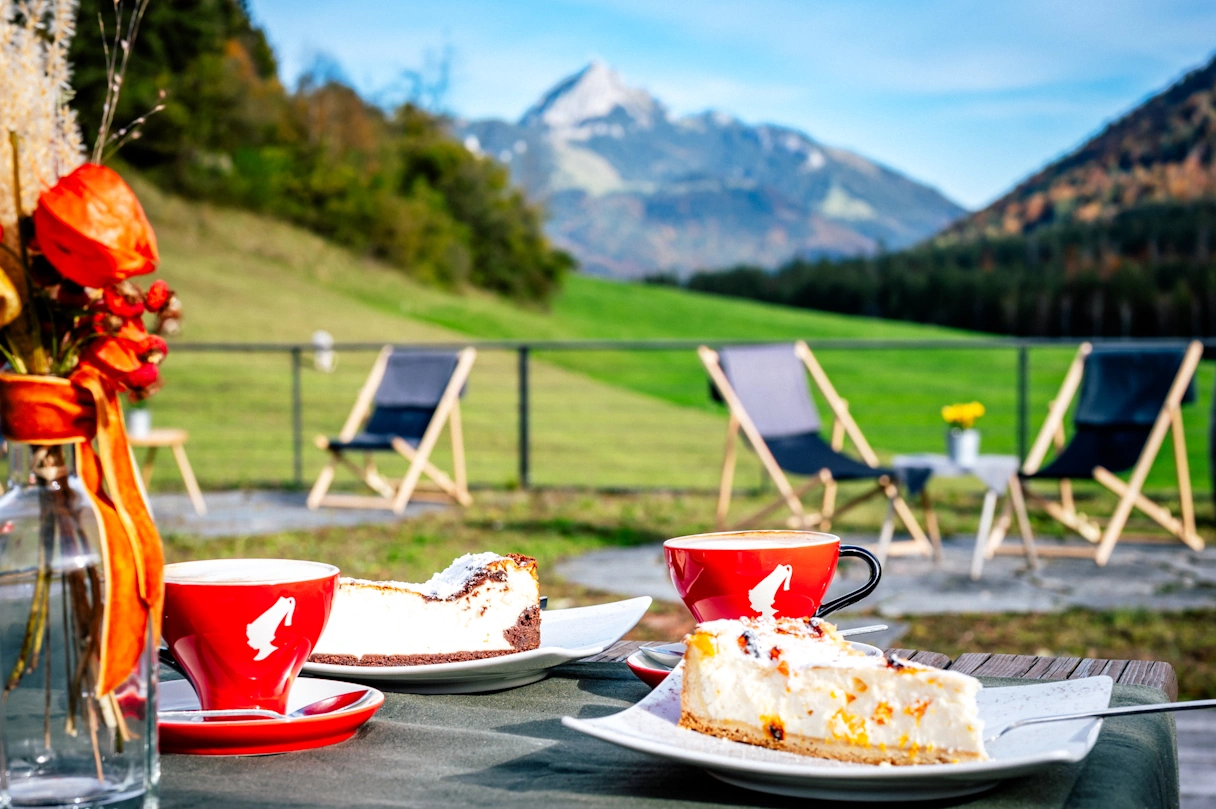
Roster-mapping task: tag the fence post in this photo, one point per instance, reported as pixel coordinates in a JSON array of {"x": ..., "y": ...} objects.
[
  {"x": 524, "y": 448},
  {"x": 297, "y": 419},
  {"x": 1023, "y": 398}
]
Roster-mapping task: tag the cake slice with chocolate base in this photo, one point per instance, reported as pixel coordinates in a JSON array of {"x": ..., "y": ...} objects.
[{"x": 483, "y": 605}]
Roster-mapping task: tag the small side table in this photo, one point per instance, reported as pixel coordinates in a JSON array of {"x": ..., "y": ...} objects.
[
  {"x": 994, "y": 471},
  {"x": 176, "y": 440}
]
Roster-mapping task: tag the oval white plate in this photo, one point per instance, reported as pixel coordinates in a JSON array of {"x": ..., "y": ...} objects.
[
  {"x": 565, "y": 636},
  {"x": 651, "y": 726}
]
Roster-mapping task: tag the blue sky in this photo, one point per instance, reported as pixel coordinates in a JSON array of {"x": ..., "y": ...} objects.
[{"x": 967, "y": 95}]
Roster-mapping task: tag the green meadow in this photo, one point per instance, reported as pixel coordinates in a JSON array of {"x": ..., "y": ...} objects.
[{"x": 598, "y": 418}]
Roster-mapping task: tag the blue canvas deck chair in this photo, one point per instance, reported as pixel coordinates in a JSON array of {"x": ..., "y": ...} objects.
[
  {"x": 766, "y": 391},
  {"x": 407, "y": 399},
  {"x": 1130, "y": 398}
]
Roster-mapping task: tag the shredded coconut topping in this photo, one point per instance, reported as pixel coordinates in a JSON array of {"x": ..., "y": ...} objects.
[{"x": 444, "y": 584}]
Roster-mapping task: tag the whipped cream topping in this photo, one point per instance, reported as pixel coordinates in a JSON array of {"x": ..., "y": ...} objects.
[{"x": 447, "y": 582}]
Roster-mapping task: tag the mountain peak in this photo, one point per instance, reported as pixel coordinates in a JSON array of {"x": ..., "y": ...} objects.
[
  {"x": 594, "y": 92},
  {"x": 631, "y": 189}
]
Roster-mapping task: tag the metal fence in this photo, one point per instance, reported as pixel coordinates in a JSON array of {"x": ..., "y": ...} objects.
[{"x": 606, "y": 415}]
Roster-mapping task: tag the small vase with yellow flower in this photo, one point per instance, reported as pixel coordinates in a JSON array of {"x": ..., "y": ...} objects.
[{"x": 962, "y": 438}]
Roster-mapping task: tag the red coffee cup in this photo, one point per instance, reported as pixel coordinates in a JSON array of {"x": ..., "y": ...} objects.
[
  {"x": 748, "y": 574},
  {"x": 242, "y": 628}
]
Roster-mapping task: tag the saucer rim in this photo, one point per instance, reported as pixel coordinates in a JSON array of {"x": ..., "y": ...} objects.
[{"x": 373, "y": 703}]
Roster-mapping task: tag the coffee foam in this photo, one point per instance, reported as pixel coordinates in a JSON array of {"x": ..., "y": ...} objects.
[
  {"x": 759, "y": 540},
  {"x": 246, "y": 571}
]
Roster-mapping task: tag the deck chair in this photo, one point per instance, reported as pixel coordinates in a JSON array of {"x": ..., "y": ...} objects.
[
  {"x": 410, "y": 396},
  {"x": 766, "y": 391},
  {"x": 1129, "y": 399}
]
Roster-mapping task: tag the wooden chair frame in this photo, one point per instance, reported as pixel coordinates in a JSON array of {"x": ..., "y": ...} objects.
[
  {"x": 843, "y": 426},
  {"x": 397, "y": 497},
  {"x": 1103, "y": 539}
]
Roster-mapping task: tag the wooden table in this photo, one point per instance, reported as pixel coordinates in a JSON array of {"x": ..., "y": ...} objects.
[
  {"x": 175, "y": 440},
  {"x": 1023, "y": 667}
]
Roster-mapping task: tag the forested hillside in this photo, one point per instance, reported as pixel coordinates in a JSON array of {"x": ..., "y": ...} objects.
[
  {"x": 1162, "y": 151},
  {"x": 1148, "y": 272},
  {"x": 392, "y": 184}
]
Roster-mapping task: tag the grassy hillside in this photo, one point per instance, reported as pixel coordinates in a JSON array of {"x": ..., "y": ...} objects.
[{"x": 602, "y": 418}]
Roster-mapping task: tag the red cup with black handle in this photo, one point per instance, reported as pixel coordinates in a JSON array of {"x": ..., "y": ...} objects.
[{"x": 767, "y": 574}]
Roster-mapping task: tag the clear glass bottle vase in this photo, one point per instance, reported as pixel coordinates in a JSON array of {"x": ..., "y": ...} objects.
[{"x": 60, "y": 744}]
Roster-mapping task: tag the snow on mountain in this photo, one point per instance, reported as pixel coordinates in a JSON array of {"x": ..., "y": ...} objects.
[
  {"x": 594, "y": 92},
  {"x": 632, "y": 190}
]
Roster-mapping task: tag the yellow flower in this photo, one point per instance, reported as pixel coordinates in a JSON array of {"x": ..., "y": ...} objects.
[{"x": 963, "y": 416}]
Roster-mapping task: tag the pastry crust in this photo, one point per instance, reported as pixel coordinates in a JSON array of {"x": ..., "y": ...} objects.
[{"x": 819, "y": 748}]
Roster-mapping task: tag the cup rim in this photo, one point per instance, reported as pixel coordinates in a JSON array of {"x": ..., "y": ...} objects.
[
  {"x": 324, "y": 570},
  {"x": 689, "y": 542}
]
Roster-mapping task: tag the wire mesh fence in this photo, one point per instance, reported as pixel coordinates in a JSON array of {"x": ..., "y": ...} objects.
[{"x": 607, "y": 415}]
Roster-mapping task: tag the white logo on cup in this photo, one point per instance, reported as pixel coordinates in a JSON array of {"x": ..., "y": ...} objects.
[
  {"x": 764, "y": 594},
  {"x": 260, "y": 633}
]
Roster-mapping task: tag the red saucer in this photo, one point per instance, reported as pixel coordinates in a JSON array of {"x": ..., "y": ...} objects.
[
  {"x": 647, "y": 671},
  {"x": 259, "y": 737}
]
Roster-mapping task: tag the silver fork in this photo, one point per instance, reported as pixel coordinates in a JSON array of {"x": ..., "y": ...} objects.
[{"x": 1130, "y": 710}]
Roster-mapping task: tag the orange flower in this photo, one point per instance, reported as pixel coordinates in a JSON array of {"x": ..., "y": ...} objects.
[
  {"x": 91, "y": 227},
  {"x": 113, "y": 357}
]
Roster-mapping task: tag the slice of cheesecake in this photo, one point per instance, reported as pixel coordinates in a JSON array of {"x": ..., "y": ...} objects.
[
  {"x": 483, "y": 605},
  {"x": 795, "y": 685}
]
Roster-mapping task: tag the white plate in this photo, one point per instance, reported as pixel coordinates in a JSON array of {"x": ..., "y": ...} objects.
[
  {"x": 565, "y": 635},
  {"x": 651, "y": 727}
]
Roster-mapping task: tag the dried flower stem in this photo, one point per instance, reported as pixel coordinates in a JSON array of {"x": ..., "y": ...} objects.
[
  {"x": 91, "y": 709},
  {"x": 14, "y": 145},
  {"x": 70, "y": 723},
  {"x": 31, "y": 625},
  {"x": 116, "y": 72},
  {"x": 46, "y": 713},
  {"x": 23, "y": 343}
]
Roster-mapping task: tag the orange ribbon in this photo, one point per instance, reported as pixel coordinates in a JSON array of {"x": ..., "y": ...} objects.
[{"x": 52, "y": 410}]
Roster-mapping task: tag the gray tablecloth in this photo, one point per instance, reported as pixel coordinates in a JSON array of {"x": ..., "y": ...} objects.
[
  {"x": 510, "y": 750},
  {"x": 915, "y": 470}
]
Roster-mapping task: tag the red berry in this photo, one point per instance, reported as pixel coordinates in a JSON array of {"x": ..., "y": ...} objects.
[
  {"x": 106, "y": 323},
  {"x": 123, "y": 299},
  {"x": 158, "y": 296},
  {"x": 153, "y": 349},
  {"x": 144, "y": 376}
]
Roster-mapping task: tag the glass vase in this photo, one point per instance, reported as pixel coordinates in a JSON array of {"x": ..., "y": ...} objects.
[{"x": 61, "y": 744}]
